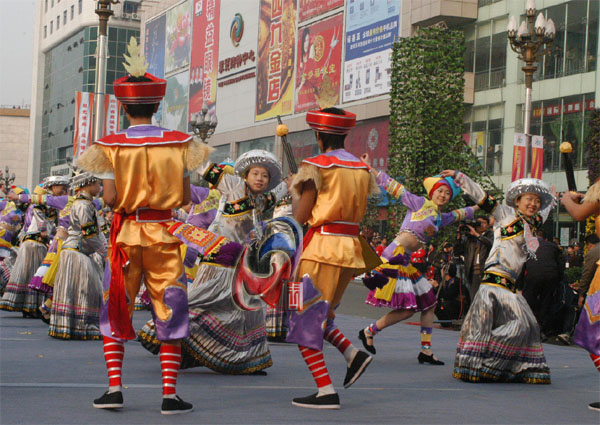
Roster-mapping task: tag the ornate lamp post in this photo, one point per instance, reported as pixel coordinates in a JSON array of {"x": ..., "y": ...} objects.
[
  {"x": 7, "y": 179},
  {"x": 530, "y": 42},
  {"x": 203, "y": 125},
  {"x": 104, "y": 12}
]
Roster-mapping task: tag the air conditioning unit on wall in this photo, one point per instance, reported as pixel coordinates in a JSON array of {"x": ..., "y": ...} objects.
[{"x": 135, "y": 17}]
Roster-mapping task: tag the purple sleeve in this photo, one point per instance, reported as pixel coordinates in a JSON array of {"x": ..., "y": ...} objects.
[
  {"x": 25, "y": 198},
  {"x": 457, "y": 215},
  {"x": 3, "y": 204},
  {"x": 57, "y": 202},
  {"x": 198, "y": 194},
  {"x": 98, "y": 204},
  {"x": 398, "y": 191}
]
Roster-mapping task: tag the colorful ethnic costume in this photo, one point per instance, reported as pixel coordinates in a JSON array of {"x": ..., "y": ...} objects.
[
  {"x": 500, "y": 337},
  {"x": 148, "y": 167},
  {"x": 77, "y": 296},
  {"x": 587, "y": 332},
  {"x": 39, "y": 223},
  {"x": 224, "y": 337},
  {"x": 397, "y": 284},
  {"x": 11, "y": 219},
  {"x": 333, "y": 254}
]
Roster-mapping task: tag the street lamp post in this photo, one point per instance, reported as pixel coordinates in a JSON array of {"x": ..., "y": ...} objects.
[
  {"x": 526, "y": 41},
  {"x": 203, "y": 126},
  {"x": 104, "y": 12},
  {"x": 7, "y": 179}
]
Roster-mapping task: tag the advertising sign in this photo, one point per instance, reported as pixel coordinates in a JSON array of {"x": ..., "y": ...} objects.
[
  {"x": 537, "y": 156},
  {"x": 238, "y": 34},
  {"x": 175, "y": 112},
  {"x": 84, "y": 103},
  {"x": 370, "y": 136},
  {"x": 178, "y": 38},
  {"x": 205, "y": 55},
  {"x": 318, "y": 64},
  {"x": 310, "y": 8},
  {"x": 370, "y": 30},
  {"x": 154, "y": 51},
  {"x": 519, "y": 153},
  {"x": 276, "y": 53},
  {"x": 111, "y": 114}
]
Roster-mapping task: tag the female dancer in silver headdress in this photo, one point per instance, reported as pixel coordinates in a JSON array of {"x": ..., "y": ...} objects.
[
  {"x": 223, "y": 337},
  {"x": 500, "y": 337}
]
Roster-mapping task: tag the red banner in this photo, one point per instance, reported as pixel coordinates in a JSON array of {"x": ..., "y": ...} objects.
[
  {"x": 84, "y": 103},
  {"x": 318, "y": 66},
  {"x": 537, "y": 157},
  {"x": 519, "y": 153},
  {"x": 111, "y": 114},
  {"x": 370, "y": 136},
  {"x": 205, "y": 56},
  {"x": 309, "y": 8}
]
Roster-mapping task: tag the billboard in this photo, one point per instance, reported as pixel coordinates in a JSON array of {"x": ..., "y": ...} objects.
[
  {"x": 178, "y": 38},
  {"x": 370, "y": 30},
  {"x": 318, "y": 65},
  {"x": 276, "y": 52},
  {"x": 310, "y": 8},
  {"x": 205, "y": 56},
  {"x": 175, "y": 110},
  {"x": 370, "y": 136}
]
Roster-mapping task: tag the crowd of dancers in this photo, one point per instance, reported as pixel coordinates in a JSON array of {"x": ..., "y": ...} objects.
[{"x": 205, "y": 259}]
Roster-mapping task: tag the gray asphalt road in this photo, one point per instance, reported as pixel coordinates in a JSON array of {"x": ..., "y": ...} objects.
[{"x": 48, "y": 381}]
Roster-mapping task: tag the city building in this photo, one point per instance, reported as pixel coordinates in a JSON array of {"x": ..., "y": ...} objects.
[
  {"x": 14, "y": 142},
  {"x": 64, "y": 62}
]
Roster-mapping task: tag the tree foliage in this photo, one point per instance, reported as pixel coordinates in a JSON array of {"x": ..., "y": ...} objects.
[{"x": 427, "y": 109}]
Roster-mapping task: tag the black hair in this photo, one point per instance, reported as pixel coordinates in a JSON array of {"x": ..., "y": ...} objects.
[
  {"x": 451, "y": 270},
  {"x": 142, "y": 110},
  {"x": 592, "y": 238},
  {"x": 333, "y": 141}
]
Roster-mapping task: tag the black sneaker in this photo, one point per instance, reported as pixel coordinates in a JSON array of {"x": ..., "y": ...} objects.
[
  {"x": 594, "y": 406},
  {"x": 328, "y": 401},
  {"x": 175, "y": 406},
  {"x": 357, "y": 367},
  {"x": 109, "y": 401}
]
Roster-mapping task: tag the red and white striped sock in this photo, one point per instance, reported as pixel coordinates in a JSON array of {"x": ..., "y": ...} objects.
[
  {"x": 114, "y": 351},
  {"x": 596, "y": 360},
  {"x": 170, "y": 360},
  {"x": 343, "y": 344},
  {"x": 316, "y": 364}
]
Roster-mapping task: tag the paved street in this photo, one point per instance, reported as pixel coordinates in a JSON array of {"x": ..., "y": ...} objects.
[{"x": 47, "y": 381}]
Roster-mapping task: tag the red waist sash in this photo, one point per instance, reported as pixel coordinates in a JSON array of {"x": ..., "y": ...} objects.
[{"x": 335, "y": 228}]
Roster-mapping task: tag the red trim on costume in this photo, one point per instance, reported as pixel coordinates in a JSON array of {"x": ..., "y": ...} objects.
[
  {"x": 328, "y": 161},
  {"x": 336, "y": 338},
  {"x": 143, "y": 92},
  {"x": 167, "y": 137},
  {"x": 330, "y": 123},
  {"x": 149, "y": 215}
]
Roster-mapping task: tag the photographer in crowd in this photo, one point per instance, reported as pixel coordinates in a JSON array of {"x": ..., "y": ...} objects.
[{"x": 474, "y": 241}]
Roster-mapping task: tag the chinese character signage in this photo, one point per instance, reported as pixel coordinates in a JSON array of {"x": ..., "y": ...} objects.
[
  {"x": 205, "y": 56},
  {"x": 178, "y": 37},
  {"x": 276, "y": 50},
  {"x": 154, "y": 51},
  {"x": 370, "y": 30},
  {"x": 519, "y": 153},
  {"x": 111, "y": 114},
  {"x": 83, "y": 122},
  {"x": 318, "y": 64},
  {"x": 537, "y": 156},
  {"x": 310, "y": 8}
]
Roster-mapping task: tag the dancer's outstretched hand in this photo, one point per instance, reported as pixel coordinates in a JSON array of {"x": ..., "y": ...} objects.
[{"x": 448, "y": 173}]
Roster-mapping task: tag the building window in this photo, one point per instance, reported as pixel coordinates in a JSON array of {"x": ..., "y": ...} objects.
[
  {"x": 45, "y": 6},
  {"x": 45, "y": 31},
  {"x": 72, "y": 11},
  {"x": 57, "y": 22},
  {"x": 484, "y": 132},
  {"x": 80, "y": 6},
  {"x": 485, "y": 54},
  {"x": 65, "y": 17},
  {"x": 51, "y": 22},
  {"x": 558, "y": 120},
  {"x": 130, "y": 7},
  {"x": 52, "y": 3}
]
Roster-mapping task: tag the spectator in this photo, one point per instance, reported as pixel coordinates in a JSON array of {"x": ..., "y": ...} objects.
[
  {"x": 589, "y": 267},
  {"x": 542, "y": 280},
  {"x": 574, "y": 257},
  {"x": 453, "y": 298},
  {"x": 381, "y": 247},
  {"x": 474, "y": 246}
]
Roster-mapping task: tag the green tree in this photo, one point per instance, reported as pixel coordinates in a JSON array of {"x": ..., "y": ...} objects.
[{"x": 426, "y": 112}]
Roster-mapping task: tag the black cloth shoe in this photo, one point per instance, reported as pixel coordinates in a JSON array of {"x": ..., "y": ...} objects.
[
  {"x": 424, "y": 358},
  {"x": 594, "y": 406},
  {"x": 357, "y": 367},
  {"x": 329, "y": 401},
  {"x": 363, "y": 337},
  {"x": 109, "y": 401},
  {"x": 174, "y": 406}
]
